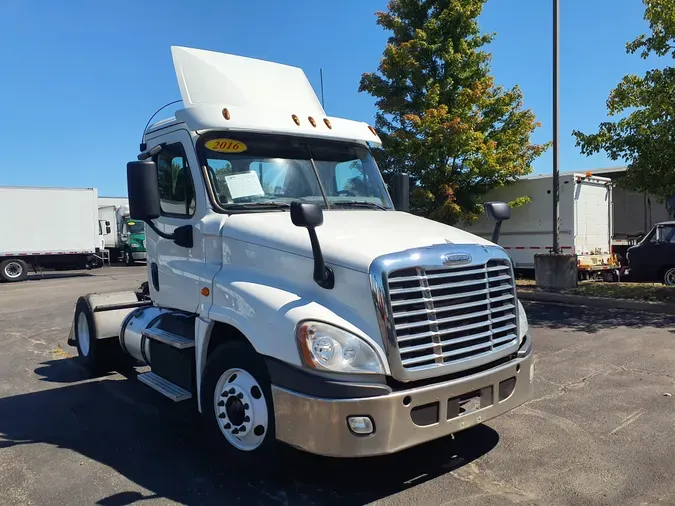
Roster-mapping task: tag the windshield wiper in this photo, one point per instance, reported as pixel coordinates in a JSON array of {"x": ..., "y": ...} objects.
[
  {"x": 359, "y": 203},
  {"x": 258, "y": 205}
]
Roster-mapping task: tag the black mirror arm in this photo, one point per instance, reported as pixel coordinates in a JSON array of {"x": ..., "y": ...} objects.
[
  {"x": 495, "y": 232},
  {"x": 323, "y": 275},
  {"x": 159, "y": 232}
]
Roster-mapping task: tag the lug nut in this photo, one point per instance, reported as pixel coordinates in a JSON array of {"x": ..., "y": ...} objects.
[
  {"x": 246, "y": 419},
  {"x": 224, "y": 394},
  {"x": 221, "y": 404},
  {"x": 235, "y": 431},
  {"x": 227, "y": 426},
  {"x": 222, "y": 415},
  {"x": 240, "y": 395},
  {"x": 246, "y": 405},
  {"x": 242, "y": 428},
  {"x": 231, "y": 390}
]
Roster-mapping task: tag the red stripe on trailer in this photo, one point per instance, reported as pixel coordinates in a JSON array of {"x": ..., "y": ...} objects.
[
  {"x": 520, "y": 247},
  {"x": 507, "y": 247},
  {"x": 535, "y": 247}
]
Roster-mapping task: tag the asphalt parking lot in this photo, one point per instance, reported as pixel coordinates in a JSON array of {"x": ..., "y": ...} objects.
[{"x": 599, "y": 429}]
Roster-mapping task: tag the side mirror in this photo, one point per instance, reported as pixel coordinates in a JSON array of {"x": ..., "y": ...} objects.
[
  {"x": 498, "y": 212},
  {"x": 306, "y": 215},
  {"x": 310, "y": 216},
  {"x": 400, "y": 189},
  {"x": 143, "y": 190}
]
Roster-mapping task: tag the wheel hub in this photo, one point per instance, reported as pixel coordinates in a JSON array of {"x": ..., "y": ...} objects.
[
  {"x": 241, "y": 409},
  {"x": 13, "y": 270}
]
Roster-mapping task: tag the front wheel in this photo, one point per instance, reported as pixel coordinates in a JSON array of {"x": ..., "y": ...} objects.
[
  {"x": 237, "y": 404},
  {"x": 669, "y": 276},
  {"x": 128, "y": 258}
]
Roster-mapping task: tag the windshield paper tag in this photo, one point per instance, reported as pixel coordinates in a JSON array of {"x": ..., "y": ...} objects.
[
  {"x": 245, "y": 184},
  {"x": 226, "y": 146}
]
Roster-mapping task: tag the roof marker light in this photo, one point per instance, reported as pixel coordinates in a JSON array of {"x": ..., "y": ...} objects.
[
  {"x": 311, "y": 121},
  {"x": 226, "y": 114},
  {"x": 372, "y": 130},
  {"x": 296, "y": 119},
  {"x": 325, "y": 120}
]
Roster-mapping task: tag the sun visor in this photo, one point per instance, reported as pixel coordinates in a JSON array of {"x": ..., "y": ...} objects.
[{"x": 207, "y": 77}]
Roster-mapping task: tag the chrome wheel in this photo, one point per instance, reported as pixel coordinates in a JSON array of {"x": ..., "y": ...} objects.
[
  {"x": 83, "y": 337},
  {"x": 669, "y": 277},
  {"x": 13, "y": 270},
  {"x": 241, "y": 410}
]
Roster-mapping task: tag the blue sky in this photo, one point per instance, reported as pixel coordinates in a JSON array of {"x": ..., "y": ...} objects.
[{"x": 80, "y": 79}]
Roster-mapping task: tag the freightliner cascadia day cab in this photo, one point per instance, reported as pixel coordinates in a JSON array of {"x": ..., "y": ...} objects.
[{"x": 286, "y": 296}]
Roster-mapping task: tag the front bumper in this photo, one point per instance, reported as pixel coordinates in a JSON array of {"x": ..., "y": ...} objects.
[
  {"x": 139, "y": 255},
  {"x": 405, "y": 418}
]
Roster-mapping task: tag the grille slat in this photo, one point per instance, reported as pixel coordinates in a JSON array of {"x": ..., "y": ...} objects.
[{"x": 427, "y": 306}]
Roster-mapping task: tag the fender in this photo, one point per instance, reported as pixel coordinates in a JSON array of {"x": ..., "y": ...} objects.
[{"x": 267, "y": 312}]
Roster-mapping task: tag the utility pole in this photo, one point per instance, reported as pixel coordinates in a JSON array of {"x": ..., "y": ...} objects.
[{"x": 556, "y": 128}]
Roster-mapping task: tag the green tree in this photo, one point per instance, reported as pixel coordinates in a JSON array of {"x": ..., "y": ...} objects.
[
  {"x": 442, "y": 118},
  {"x": 644, "y": 137}
]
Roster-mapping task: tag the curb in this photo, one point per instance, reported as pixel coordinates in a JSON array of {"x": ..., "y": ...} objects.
[{"x": 601, "y": 302}]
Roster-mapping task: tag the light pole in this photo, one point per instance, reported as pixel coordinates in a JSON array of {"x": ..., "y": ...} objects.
[{"x": 556, "y": 129}]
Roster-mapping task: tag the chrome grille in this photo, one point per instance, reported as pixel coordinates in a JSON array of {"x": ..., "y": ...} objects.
[{"x": 447, "y": 315}]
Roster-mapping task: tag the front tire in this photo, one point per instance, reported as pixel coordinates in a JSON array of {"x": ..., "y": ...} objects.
[
  {"x": 238, "y": 409},
  {"x": 13, "y": 270},
  {"x": 128, "y": 258}
]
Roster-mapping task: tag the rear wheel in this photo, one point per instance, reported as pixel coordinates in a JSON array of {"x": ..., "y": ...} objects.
[
  {"x": 668, "y": 277},
  {"x": 13, "y": 270},
  {"x": 96, "y": 355},
  {"x": 237, "y": 404}
]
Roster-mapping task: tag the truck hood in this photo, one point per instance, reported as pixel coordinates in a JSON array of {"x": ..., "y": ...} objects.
[{"x": 348, "y": 238}]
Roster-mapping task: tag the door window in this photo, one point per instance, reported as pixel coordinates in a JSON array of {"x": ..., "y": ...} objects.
[{"x": 176, "y": 188}]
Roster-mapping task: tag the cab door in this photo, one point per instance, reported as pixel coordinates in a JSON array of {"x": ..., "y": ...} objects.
[{"x": 174, "y": 272}]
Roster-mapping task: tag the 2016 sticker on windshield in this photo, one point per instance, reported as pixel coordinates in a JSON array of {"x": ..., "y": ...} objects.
[{"x": 226, "y": 146}]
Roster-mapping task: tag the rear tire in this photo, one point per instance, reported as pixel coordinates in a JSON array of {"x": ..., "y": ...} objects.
[
  {"x": 95, "y": 355},
  {"x": 237, "y": 405},
  {"x": 668, "y": 277},
  {"x": 13, "y": 270}
]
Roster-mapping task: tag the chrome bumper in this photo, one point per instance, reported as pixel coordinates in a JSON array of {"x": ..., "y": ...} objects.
[
  {"x": 320, "y": 426},
  {"x": 139, "y": 255}
]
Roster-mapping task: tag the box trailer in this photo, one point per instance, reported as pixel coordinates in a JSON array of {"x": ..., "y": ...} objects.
[
  {"x": 585, "y": 220},
  {"x": 47, "y": 228}
]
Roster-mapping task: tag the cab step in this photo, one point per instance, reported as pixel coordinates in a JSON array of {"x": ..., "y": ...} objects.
[
  {"x": 173, "y": 340},
  {"x": 164, "y": 387}
]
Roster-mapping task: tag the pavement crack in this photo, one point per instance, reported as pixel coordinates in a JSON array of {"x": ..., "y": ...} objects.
[{"x": 628, "y": 420}]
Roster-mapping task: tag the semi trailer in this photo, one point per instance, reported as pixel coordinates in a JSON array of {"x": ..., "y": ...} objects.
[
  {"x": 286, "y": 295},
  {"x": 47, "y": 228}
]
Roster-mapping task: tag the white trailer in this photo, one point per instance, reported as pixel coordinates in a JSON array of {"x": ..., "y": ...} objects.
[
  {"x": 47, "y": 228},
  {"x": 585, "y": 220}
]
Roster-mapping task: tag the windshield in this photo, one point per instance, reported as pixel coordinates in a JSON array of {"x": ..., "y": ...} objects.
[
  {"x": 262, "y": 170},
  {"x": 136, "y": 227}
]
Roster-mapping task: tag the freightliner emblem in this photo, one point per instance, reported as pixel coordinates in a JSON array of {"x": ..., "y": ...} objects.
[{"x": 456, "y": 258}]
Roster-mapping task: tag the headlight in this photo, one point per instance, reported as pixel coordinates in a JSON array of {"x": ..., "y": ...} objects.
[
  {"x": 523, "y": 325},
  {"x": 134, "y": 245},
  {"x": 328, "y": 348}
]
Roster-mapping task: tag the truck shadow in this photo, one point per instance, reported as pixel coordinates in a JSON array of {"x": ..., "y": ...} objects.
[
  {"x": 592, "y": 320},
  {"x": 58, "y": 275},
  {"x": 159, "y": 446}
]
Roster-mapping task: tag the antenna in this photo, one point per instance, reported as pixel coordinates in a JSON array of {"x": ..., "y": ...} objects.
[
  {"x": 143, "y": 147},
  {"x": 323, "y": 104}
]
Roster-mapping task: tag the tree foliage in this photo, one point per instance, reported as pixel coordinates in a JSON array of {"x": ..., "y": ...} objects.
[
  {"x": 441, "y": 117},
  {"x": 645, "y": 136}
]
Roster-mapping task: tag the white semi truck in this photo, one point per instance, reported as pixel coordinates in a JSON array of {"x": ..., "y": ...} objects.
[
  {"x": 31, "y": 238},
  {"x": 285, "y": 293}
]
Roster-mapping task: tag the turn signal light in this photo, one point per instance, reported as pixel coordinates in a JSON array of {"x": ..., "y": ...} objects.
[{"x": 205, "y": 292}]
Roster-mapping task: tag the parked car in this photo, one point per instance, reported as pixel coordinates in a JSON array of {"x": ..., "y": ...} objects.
[{"x": 653, "y": 258}]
